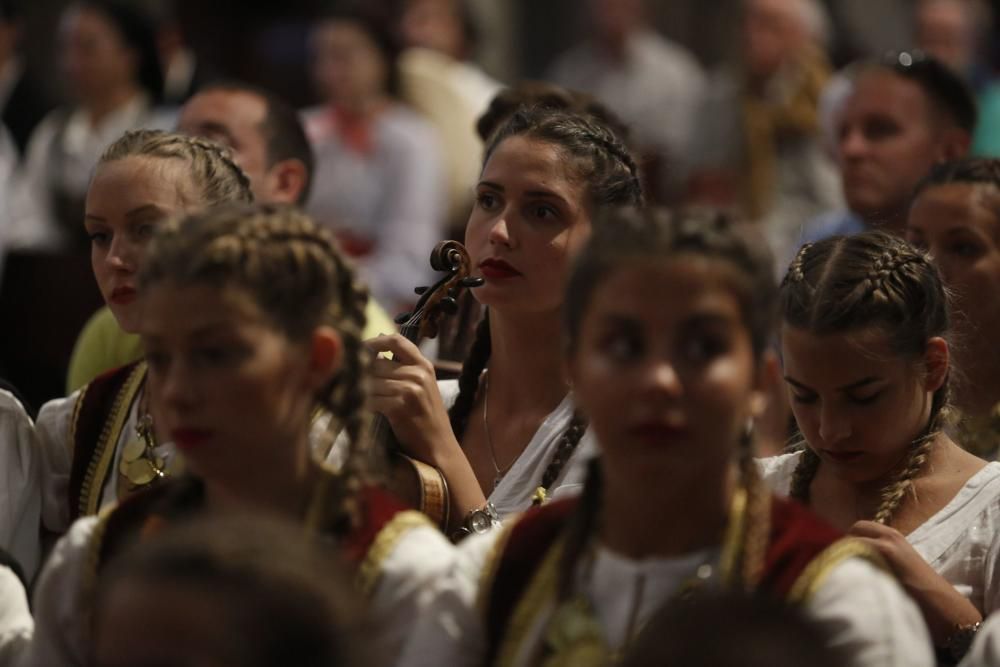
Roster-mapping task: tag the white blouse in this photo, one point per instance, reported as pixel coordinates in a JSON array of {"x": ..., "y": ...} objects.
[
  {"x": 868, "y": 613},
  {"x": 20, "y": 500},
  {"x": 63, "y": 597},
  {"x": 514, "y": 493},
  {"x": 961, "y": 542}
]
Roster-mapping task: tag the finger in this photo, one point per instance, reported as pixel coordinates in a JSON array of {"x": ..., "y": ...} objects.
[
  {"x": 386, "y": 405},
  {"x": 403, "y": 388},
  {"x": 402, "y": 350},
  {"x": 869, "y": 529}
]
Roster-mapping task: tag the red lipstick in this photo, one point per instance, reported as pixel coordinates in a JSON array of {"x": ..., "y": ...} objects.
[
  {"x": 841, "y": 457},
  {"x": 655, "y": 432},
  {"x": 497, "y": 269},
  {"x": 123, "y": 295}
]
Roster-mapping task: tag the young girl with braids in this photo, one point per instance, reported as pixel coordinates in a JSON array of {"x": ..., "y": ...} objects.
[
  {"x": 100, "y": 443},
  {"x": 510, "y": 433},
  {"x": 251, "y": 317},
  {"x": 955, "y": 216},
  {"x": 865, "y": 322},
  {"x": 667, "y": 322}
]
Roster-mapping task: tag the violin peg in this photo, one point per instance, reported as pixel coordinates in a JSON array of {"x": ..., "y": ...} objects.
[
  {"x": 420, "y": 290},
  {"x": 449, "y": 305},
  {"x": 402, "y": 318},
  {"x": 472, "y": 281}
]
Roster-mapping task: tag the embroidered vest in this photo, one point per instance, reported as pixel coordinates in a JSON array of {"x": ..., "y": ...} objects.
[
  {"x": 99, "y": 416},
  {"x": 801, "y": 550}
]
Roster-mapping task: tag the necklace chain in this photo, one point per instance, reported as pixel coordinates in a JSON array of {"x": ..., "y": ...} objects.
[{"x": 499, "y": 474}]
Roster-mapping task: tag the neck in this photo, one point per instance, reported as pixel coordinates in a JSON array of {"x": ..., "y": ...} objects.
[
  {"x": 280, "y": 488},
  {"x": 102, "y": 106},
  {"x": 695, "y": 506},
  {"x": 526, "y": 362},
  {"x": 363, "y": 108}
]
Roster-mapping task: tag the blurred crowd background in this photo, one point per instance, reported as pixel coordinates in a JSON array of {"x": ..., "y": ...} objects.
[{"x": 729, "y": 102}]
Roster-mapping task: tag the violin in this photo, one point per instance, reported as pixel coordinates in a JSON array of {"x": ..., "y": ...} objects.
[{"x": 421, "y": 484}]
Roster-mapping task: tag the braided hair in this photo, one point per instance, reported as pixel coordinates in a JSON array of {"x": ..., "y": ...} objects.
[
  {"x": 846, "y": 284},
  {"x": 210, "y": 165},
  {"x": 296, "y": 273}
]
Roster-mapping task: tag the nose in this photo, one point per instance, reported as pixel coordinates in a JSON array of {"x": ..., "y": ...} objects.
[
  {"x": 173, "y": 388},
  {"x": 661, "y": 377},
  {"x": 500, "y": 232},
  {"x": 852, "y": 143},
  {"x": 833, "y": 426},
  {"x": 121, "y": 254}
]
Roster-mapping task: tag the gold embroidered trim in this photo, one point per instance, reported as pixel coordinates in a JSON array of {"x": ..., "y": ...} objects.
[
  {"x": 73, "y": 419},
  {"x": 819, "y": 567},
  {"x": 735, "y": 529},
  {"x": 107, "y": 443},
  {"x": 490, "y": 566},
  {"x": 541, "y": 588},
  {"x": 386, "y": 540}
]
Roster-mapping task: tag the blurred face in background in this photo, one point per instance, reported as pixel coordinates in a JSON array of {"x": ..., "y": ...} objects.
[
  {"x": 945, "y": 30},
  {"x": 94, "y": 58},
  {"x": 434, "y": 25},
  {"x": 614, "y": 20},
  {"x": 773, "y": 32},
  {"x": 887, "y": 141},
  {"x": 348, "y": 66}
]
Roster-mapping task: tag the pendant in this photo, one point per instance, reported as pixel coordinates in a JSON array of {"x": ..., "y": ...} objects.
[
  {"x": 139, "y": 472},
  {"x": 133, "y": 450}
]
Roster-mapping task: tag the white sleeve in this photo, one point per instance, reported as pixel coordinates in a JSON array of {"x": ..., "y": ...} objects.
[
  {"x": 15, "y": 619},
  {"x": 62, "y": 603},
  {"x": 53, "y": 428},
  {"x": 419, "y": 558},
  {"x": 450, "y": 629},
  {"x": 985, "y": 650},
  {"x": 870, "y": 617},
  {"x": 411, "y": 217},
  {"x": 20, "y": 479}
]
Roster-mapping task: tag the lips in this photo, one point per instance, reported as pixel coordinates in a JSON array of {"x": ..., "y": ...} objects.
[
  {"x": 189, "y": 438},
  {"x": 655, "y": 431},
  {"x": 497, "y": 269},
  {"x": 123, "y": 295},
  {"x": 841, "y": 456}
]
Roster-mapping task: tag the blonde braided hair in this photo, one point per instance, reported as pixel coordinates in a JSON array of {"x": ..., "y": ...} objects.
[
  {"x": 845, "y": 284},
  {"x": 211, "y": 166},
  {"x": 295, "y": 272}
]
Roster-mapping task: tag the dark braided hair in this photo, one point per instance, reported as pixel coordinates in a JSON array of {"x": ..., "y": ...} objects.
[
  {"x": 847, "y": 284},
  {"x": 297, "y": 275},
  {"x": 625, "y": 236},
  {"x": 601, "y": 161},
  {"x": 968, "y": 171}
]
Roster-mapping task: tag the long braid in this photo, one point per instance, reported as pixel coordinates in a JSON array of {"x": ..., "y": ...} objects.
[
  {"x": 758, "y": 519},
  {"x": 468, "y": 380},
  {"x": 803, "y": 475}
]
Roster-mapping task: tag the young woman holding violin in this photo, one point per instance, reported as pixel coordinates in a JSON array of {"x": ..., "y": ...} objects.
[
  {"x": 505, "y": 432},
  {"x": 668, "y": 319},
  {"x": 251, "y": 319},
  {"x": 866, "y": 360}
]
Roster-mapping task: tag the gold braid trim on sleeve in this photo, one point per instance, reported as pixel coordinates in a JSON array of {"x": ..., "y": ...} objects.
[
  {"x": 816, "y": 572},
  {"x": 370, "y": 569},
  {"x": 73, "y": 419}
]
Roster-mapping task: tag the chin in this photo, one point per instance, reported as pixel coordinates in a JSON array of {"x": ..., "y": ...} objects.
[{"x": 127, "y": 318}]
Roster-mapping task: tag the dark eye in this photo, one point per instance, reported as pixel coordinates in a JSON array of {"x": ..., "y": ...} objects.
[
  {"x": 865, "y": 400},
  {"x": 803, "y": 398},
  {"x": 157, "y": 360},
  {"x": 967, "y": 249},
  {"x": 145, "y": 231},
  {"x": 486, "y": 201},
  {"x": 544, "y": 212},
  {"x": 212, "y": 355},
  {"x": 99, "y": 239},
  {"x": 622, "y": 347},
  {"x": 702, "y": 348},
  {"x": 880, "y": 128}
]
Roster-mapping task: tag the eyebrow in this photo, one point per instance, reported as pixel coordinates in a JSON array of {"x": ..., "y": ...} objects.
[
  {"x": 211, "y": 127},
  {"x": 847, "y": 387},
  {"x": 530, "y": 193},
  {"x": 146, "y": 208}
]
